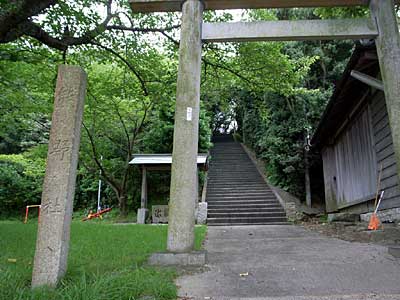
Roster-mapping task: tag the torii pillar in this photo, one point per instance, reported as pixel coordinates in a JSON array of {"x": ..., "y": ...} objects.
[
  {"x": 388, "y": 48},
  {"x": 183, "y": 193},
  {"x": 183, "y": 181}
]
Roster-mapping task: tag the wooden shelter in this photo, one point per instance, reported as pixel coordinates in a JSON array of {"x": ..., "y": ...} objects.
[
  {"x": 157, "y": 162},
  {"x": 355, "y": 139}
]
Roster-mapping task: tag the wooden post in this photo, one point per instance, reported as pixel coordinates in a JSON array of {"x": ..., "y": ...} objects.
[
  {"x": 143, "y": 198},
  {"x": 369, "y": 80},
  {"x": 197, "y": 187},
  {"x": 243, "y": 126},
  {"x": 307, "y": 179},
  {"x": 388, "y": 48},
  {"x": 183, "y": 194},
  {"x": 142, "y": 211},
  {"x": 204, "y": 190}
]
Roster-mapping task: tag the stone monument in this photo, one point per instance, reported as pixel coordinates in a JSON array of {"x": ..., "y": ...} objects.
[{"x": 52, "y": 243}]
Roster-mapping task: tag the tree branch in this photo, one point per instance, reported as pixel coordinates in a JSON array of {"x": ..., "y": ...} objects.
[
  {"x": 18, "y": 12},
  {"x": 234, "y": 72},
  {"x": 130, "y": 66},
  {"x": 143, "y": 30},
  {"x": 16, "y": 23},
  {"x": 106, "y": 176}
]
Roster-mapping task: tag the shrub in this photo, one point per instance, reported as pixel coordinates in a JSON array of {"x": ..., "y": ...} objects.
[{"x": 21, "y": 178}]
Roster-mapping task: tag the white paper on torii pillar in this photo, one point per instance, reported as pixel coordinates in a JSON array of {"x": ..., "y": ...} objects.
[{"x": 189, "y": 114}]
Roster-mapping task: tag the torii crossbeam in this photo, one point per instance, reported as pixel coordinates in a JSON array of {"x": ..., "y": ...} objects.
[
  {"x": 146, "y": 6},
  {"x": 382, "y": 27}
]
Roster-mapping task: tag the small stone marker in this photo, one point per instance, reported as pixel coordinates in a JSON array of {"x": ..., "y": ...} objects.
[
  {"x": 394, "y": 251},
  {"x": 194, "y": 258},
  {"x": 202, "y": 213},
  {"x": 142, "y": 215},
  {"x": 52, "y": 243},
  {"x": 159, "y": 214},
  {"x": 343, "y": 217}
]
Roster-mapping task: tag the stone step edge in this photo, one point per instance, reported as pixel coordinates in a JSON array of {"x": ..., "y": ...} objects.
[{"x": 250, "y": 224}]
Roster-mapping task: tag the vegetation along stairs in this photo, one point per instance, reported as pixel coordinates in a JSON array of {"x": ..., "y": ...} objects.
[{"x": 236, "y": 192}]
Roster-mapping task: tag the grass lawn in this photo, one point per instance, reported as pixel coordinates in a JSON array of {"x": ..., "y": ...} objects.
[{"x": 106, "y": 261}]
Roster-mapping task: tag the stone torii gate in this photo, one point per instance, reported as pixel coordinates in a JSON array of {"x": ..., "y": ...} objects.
[
  {"x": 382, "y": 27},
  {"x": 59, "y": 184}
]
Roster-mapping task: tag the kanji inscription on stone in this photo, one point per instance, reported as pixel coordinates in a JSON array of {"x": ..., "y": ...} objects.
[
  {"x": 160, "y": 214},
  {"x": 52, "y": 243}
]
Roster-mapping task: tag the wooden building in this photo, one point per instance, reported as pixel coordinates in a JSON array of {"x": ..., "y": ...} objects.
[
  {"x": 159, "y": 162},
  {"x": 355, "y": 140}
]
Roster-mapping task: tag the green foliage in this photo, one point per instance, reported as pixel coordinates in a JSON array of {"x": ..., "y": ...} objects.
[
  {"x": 341, "y": 13},
  {"x": 294, "y": 81},
  {"x": 272, "y": 90},
  {"x": 93, "y": 273},
  {"x": 21, "y": 177},
  {"x": 274, "y": 126},
  {"x": 27, "y": 85}
]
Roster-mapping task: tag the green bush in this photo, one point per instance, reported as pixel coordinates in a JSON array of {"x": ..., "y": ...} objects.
[
  {"x": 21, "y": 178},
  {"x": 237, "y": 137}
]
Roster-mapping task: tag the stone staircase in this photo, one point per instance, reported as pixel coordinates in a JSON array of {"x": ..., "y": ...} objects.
[{"x": 236, "y": 192}]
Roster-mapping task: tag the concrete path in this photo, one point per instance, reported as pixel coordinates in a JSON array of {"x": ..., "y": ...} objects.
[{"x": 289, "y": 262}]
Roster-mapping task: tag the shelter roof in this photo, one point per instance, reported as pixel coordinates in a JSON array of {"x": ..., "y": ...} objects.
[
  {"x": 347, "y": 95},
  {"x": 162, "y": 159}
]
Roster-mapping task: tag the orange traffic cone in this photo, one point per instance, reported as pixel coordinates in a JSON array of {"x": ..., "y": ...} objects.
[{"x": 374, "y": 222}]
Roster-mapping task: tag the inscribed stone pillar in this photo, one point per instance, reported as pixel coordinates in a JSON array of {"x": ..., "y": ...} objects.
[
  {"x": 52, "y": 243},
  {"x": 183, "y": 194},
  {"x": 388, "y": 47}
]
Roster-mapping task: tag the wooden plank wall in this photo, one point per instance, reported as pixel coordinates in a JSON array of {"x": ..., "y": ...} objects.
[
  {"x": 383, "y": 143},
  {"x": 352, "y": 163},
  {"x": 328, "y": 157},
  {"x": 355, "y": 161}
]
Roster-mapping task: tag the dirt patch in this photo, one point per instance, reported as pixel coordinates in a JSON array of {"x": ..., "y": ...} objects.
[{"x": 389, "y": 234}]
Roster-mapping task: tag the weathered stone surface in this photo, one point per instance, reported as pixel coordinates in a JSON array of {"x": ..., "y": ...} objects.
[
  {"x": 387, "y": 215},
  {"x": 294, "y": 209},
  {"x": 52, "y": 244},
  {"x": 184, "y": 157},
  {"x": 388, "y": 48},
  {"x": 142, "y": 215},
  {"x": 289, "y": 30},
  {"x": 145, "y": 6},
  {"x": 202, "y": 213},
  {"x": 288, "y": 261},
  {"x": 385, "y": 235},
  {"x": 159, "y": 214},
  {"x": 394, "y": 251},
  {"x": 343, "y": 217},
  {"x": 194, "y": 258}
]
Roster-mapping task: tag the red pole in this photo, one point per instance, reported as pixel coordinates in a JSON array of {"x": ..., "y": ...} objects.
[
  {"x": 26, "y": 214},
  {"x": 38, "y": 216}
]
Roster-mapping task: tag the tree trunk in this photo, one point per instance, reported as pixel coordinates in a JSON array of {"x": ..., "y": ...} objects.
[{"x": 123, "y": 207}]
